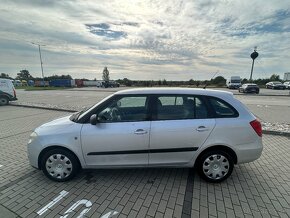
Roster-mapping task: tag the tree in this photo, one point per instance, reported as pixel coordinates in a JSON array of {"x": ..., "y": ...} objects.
[
  {"x": 275, "y": 77},
  {"x": 24, "y": 75},
  {"x": 127, "y": 82},
  {"x": 164, "y": 82},
  {"x": 191, "y": 82},
  {"x": 5, "y": 76},
  {"x": 106, "y": 76},
  {"x": 219, "y": 80}
]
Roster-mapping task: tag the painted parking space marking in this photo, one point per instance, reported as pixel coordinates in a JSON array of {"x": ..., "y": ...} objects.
[
  {"x": 62, "y": 194},
  {"x": 110, "y": 214},
  {"x": 84, "y": 202}
]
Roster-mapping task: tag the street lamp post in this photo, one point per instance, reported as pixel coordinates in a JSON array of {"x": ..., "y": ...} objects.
[
  {"x": 40, "y": 61},
  {"x": 254, "y": 55}
]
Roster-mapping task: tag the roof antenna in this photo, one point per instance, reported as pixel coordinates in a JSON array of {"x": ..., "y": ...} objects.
[{"x": 211, "y": 79}]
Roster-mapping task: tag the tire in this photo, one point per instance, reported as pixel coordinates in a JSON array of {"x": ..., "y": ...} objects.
[
  {"x": 4, "y": 100},
  {"x": 53, "y": 160},
  {"x": 257, "y": 92},
  {"x": 239, "y": 91},
  {"x": 209, "y": 162}
]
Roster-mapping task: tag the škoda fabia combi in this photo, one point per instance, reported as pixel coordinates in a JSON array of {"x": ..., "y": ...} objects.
[{"x": 151, "y": 127}]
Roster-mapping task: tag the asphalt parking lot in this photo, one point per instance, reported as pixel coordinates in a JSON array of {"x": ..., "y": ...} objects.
[
  {"x": 273, "y": 106},
  {"x": 258, "y": 189}
]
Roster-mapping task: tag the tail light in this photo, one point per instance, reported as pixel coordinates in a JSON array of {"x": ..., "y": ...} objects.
[
  {"x": 14, "y": 92},
  {"x": 257, "y": 127}
]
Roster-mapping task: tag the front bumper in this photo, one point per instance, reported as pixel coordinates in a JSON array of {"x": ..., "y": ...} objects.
[{"x": 33, "y": 150}]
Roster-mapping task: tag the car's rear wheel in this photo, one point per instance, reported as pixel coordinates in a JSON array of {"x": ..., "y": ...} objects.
[
  {"x": 4, "y": 100},
  {"x": 215, "y": 166},
  {"x": 59, "y": 165}
]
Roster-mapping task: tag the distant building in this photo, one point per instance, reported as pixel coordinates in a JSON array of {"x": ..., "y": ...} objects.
[{"x": 287, "y": 76}]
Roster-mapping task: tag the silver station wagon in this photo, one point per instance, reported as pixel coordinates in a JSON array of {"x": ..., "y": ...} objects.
[{"x": 151, "y": 127}]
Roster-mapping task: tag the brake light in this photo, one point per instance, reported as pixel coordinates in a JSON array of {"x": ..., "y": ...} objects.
[
  {"x": 14, "y": 92},
  {"x": 257, "y": 127}
]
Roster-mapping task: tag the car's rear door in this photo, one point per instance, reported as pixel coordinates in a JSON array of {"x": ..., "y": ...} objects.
[
  {"x": 181, "y": 124},
  {"x": 121, "y": 137}
]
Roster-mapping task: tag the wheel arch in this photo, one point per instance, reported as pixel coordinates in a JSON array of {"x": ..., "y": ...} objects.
[
  {"x": 55, "y": 147},
  {"x": 218, "y": 147}
]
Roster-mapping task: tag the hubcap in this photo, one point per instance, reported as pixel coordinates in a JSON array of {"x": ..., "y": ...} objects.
[
  {"x": 216, "y": 166},
  {"x": 58, "y": 166}
]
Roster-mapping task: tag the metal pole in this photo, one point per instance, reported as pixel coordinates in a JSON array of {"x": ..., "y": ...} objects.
[
  {"x": 252, "y": 69},
  {"x": 41, "y": 65}
]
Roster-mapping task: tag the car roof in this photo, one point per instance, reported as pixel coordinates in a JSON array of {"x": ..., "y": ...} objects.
[{"x": 188, "y": 91}]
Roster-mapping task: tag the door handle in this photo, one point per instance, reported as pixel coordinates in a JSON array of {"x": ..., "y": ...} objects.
[
  {"x": 202, "y": 129},
  {"x": 140, "y": 132}
]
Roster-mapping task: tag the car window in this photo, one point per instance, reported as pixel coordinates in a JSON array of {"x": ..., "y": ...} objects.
[
  {"x": 125, "y": 109},
  {"x": 132, "y": 102},
  {"x": 180, "y": 107},
  {"x": 171, "y": 100},
  {"x": 222, "y": 109}
]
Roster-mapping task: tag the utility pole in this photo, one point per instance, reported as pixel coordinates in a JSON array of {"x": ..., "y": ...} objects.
[
  {"x": 40, "y": 61},
  {"x": 254, "y": 55}
]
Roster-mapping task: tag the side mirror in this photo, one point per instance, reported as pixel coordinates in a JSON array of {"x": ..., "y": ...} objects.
[{"x": 94, "y": 119}]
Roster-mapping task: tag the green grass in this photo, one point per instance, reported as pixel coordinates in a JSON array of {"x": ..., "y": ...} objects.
[{"x": 32, "y": 88}]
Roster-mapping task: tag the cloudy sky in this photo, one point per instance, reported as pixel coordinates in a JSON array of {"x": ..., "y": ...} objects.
[{"x": 172, "y": 40}]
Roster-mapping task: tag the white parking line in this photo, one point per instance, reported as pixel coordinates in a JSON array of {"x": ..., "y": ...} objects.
[
  {"x": 110, "y": 214},
  {"x": 1, "y": 165},
  {"x": 62, "y": 194}
]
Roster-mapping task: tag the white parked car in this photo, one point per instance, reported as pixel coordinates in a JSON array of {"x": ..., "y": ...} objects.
[
  {"x": 151, "y": 127},
  {"x": 287, "y": 84},
  {"x": 7, "y": 91}
]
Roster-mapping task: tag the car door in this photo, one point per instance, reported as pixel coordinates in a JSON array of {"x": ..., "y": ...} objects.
[
  {"x": 179, "y": 127},
  {"x": 121, "y": 135}
]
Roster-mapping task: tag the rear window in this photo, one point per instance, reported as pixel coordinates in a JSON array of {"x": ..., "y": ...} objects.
[{"x": 222, "y": 109}]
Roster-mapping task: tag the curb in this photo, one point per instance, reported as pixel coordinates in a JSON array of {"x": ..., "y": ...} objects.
[
  {"x": 267, "y": 132},
  {"x": 270, "y": 132},
  {"x": 257, "y": 95}
]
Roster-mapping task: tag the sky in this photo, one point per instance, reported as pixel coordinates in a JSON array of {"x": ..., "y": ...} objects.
[{"x": 146, "y": 39}]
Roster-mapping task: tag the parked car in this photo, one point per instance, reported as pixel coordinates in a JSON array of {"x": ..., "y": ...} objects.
[
  {"x": 275, "y": 85},
  {"x": 151, "y": 127},
  {"x": 287, "y": 84},
  {"x": 7, "y": 91},
  {"x": 249, "y": 88}
]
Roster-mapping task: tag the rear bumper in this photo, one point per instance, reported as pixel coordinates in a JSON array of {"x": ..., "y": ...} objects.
[
  {"x": 249, "y": 152},
  {"x": 252, "y": 90}
]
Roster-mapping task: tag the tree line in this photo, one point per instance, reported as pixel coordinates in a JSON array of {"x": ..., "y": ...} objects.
[{"x": 218, "y": 81}]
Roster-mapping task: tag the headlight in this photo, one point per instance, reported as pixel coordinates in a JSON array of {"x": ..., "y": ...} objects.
[{"x": 32, "y": 137}]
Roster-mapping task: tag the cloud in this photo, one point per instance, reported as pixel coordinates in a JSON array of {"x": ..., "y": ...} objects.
[{"x": 146, "y": 39}]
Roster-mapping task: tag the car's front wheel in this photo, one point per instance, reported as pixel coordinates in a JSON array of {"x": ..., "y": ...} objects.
[
  {"x": 215, "y": 166},
  {"x": 3, "y": 100},
  {"x": 59, "y": 165}
]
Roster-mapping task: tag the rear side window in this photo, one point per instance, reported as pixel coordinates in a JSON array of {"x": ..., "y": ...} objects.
[
  {"x": 3, "y": 85},
  {"x": 222, "y": 109},
  {"x": 180, "y": 107}
]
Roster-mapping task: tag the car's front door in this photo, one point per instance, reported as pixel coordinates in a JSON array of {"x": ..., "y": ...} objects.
[
  {"x": 121, "y": 135},
  {"x": 180, "y": 127}
]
